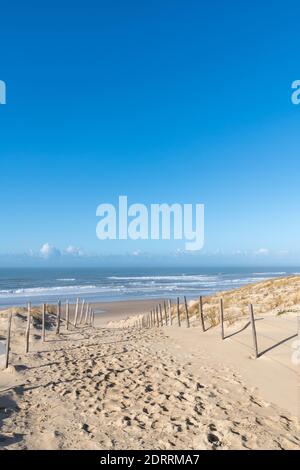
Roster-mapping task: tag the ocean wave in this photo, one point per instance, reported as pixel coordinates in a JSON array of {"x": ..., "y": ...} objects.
[
  {"x": 39, "y": 291},
  {"x": 280, "y": 273},
  {"x": 66, "y": 280},
  {"x": 200, "y": 277}
]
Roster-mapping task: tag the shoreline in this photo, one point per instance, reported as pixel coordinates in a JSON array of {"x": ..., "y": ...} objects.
[{"x": 118, "y": 310}]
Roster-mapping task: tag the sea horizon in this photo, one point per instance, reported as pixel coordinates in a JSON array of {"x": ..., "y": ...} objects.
[{"x": 49, "y": 284}]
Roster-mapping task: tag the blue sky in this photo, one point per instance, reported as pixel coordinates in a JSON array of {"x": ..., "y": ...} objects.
[{"x": 174, "y": 101}]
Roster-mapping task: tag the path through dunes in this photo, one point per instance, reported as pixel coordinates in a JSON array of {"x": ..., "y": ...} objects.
[
  {"x": 275, "y": 373},
  {"x": 119, "y": 389}
]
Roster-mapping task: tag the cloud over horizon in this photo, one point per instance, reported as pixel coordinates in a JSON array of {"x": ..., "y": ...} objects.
[{"x": 49, "y": 251}]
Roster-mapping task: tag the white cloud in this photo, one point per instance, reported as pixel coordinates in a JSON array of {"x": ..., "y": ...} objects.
[
  {"x": 73, "y": 251},
  {"x": 49, "y": 251},
  {"x": 262, "y": 251},
  {"x": 137, "y": 253}
]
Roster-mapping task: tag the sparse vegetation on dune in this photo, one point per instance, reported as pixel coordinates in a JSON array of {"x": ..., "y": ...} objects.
[
  {"x": 277, "y": 296},
  {"x": 20, "y": 317}
]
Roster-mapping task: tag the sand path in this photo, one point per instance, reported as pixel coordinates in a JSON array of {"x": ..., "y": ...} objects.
[{"x": 112, "y": 388}]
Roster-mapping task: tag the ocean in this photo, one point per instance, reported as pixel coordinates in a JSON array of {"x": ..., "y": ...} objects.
[{"x": 21, "y": 285}]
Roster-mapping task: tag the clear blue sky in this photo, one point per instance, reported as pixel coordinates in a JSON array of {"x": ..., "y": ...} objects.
[{"x": 165, "y": 101}]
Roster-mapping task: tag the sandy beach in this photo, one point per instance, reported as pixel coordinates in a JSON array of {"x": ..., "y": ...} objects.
[
  {"x": 116, "y": 386},
  {"x": 114, "y": 311}
]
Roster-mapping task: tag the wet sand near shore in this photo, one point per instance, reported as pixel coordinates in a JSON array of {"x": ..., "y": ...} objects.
[{"x": 110, "y": 311}]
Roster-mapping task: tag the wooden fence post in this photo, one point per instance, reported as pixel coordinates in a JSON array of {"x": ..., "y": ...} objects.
[
  {"x": 58, "y": 317},
  {"x": 160, "y": 316},
  {"x": 201, "y": 313},
  {"x": 165, "y": 310},
  {"x": 254, "y": 335},
  {"x": 43, "y": 322},
  {"x": 86, "y": 313},
  {"x": 170, "y": 312},
  {"x": 8, "y": 339},
  {"x": 222, "y": 318},
  {"x": 27, "y": 334},
  {"x": 157, "y": 319},
  {"x": 76, "y": 312},
  {"x": 186, "y": 313},
  {"x": 178, "y": 312},
  {"x": 81, "y": 312},
  {"x": 67, "y": 314}
]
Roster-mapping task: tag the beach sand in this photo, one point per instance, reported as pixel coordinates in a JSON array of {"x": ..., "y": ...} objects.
[
  {"x": 114, "y": 311},
  {"x": 111, "y": 387}
]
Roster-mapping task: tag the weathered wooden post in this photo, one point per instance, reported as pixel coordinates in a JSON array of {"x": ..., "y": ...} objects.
[
  {"x": 27, "y": 334},
  {"x": 170, "y": 312},
  {"x": 86, "y": 312},
  {"x": 222, "y": 318},
  {"x": 186, "y": 313},
  {"x": 160, "y": 316},
  {"x": 67, "y": 313},
  {"x": 8, "y": 339},
  {"x": 76, "y": 312},
  {"x": 44, "y": 322},
  {"x": 81, "y": 312},
  {"x": 254, "y": 335},
  {"x": 178, "y": 312},
  {"x": 58, "y": 317},
  {"x": 165, "y": 311},
  {"x": 157, "y": 319},
  {"x": 201, "y": 313}
]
